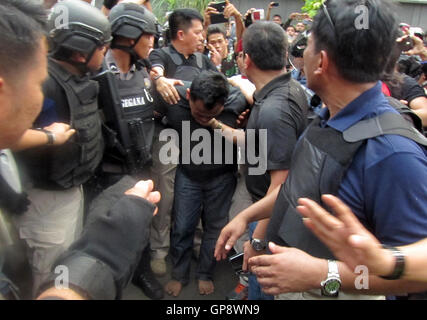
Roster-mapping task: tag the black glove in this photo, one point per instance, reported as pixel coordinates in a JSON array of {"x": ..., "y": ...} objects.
[{"x": 103, "y": 260}]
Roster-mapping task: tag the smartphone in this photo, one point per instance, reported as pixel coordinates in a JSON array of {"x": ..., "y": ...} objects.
[
  {"x": 219, "y": 6},
  {"x": 275, "y": 4},
  {"x": 218, "y": 18},
  {"x": 237, "y": 263}
]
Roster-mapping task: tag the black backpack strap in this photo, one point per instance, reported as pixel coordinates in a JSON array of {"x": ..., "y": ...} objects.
[{"x": 386, "y": 123}]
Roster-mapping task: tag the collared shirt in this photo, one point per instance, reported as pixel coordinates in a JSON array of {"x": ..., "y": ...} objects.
[
  {"x": 386, "y": 185},
  {"x": 112, "y": 66},
  {"x": 282, "y": 113}
]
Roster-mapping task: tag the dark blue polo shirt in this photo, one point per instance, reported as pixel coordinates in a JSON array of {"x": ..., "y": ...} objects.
[{"x": 386, "y": 185}]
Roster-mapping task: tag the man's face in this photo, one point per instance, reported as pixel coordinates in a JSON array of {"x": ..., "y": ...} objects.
[
  {"x": 21, "y": 99},
  {"x": 193, "y": 38},
  {"x": 300, "y": 27},
  {"x": 277, "y": 20},
  {"x": 311, "y": 59},
  {"x": 218, "y": 41},
  {"x": 144, "y": 45},
  {"x": 201, "y": 114},
  {"x": 97, "y": 58},
  {"x": 240, "y": 63},
  {"x": 290, "y": 31}
]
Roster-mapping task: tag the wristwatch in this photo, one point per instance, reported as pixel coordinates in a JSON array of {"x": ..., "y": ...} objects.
[
  {"x": 258, "y": 244},
  {"x": 156, "y": 77},
  {"x": 50, "y": 136},
  {"x": 331, "y": 285}
]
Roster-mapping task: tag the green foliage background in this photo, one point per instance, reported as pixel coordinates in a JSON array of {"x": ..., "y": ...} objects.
[
  {"x": 311, "y": 7},
  {"x": 160, "y": 7}
]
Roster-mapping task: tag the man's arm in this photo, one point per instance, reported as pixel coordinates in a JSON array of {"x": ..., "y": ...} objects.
[
  {"x": 56, "y": 134},
  {"x": 419, "y": 106},
  {"x": 261, "y": 209},
  {"x": 277, "y": 178},
  {"x": 164, "y": 86},
  {"x": 99, "y": 267},
  {"x": 292, "y": 270}
]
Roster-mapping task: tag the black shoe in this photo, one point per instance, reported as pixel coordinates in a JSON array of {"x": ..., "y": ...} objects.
[{"x": 148, "y": 283}]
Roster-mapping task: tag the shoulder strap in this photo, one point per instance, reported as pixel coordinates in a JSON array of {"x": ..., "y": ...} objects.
[
  {"x": 58, "y": 76},
  {"x": 177, "y": 60},
  {"x": 386, "y": 123},
  {"x": 199, "y": 59}
]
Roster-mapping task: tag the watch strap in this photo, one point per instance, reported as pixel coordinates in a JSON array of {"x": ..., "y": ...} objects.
[{"x": 399, "y": 266}]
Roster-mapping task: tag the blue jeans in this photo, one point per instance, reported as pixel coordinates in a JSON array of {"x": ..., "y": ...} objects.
[
  {"x": 254, "y": 289},
  {"x": 194, "y": 199}
]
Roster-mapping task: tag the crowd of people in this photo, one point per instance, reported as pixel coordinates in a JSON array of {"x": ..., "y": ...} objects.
[{"x": 250, "y": 130}]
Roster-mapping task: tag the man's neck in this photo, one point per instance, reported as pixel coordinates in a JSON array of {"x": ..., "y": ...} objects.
[
  {"x": 338, "y": 94},
  {"x": 181, "y": 48},
  {"x": 261, "y": 78},
  {"x": 70, "y": 68},
  {"x": 123, "y": 60}
]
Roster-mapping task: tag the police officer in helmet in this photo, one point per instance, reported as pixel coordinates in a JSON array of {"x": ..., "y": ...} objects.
[
  {"x": 53, "y": 175},
  {"x": 127, "y": 105}
]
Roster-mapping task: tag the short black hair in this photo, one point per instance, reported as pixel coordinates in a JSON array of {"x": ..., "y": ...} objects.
[
  {"x": 360, "y": 54},
  {"x": 182, "y": 19},
  {"x": 214, "y": 29},
  {"x": 278, "y": 15},
  {"x": 109, "y": 4},
  {"x": 266, "y": 44},
  {"x": 211, "y": 87},
  {"x": 22, "y": 26}
]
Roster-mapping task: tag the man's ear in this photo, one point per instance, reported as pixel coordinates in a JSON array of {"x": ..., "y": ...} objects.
[
  {"x": 247, "y": 61},
  {"x": 180, "y": 34},
  {"x": 187, "y": 94},
  {"x": 323, "y": 65}
]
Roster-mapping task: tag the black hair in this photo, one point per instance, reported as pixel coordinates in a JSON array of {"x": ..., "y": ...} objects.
[
  {"x": 278, "y": 15},
  {"x": 266, "y": 44},
  {"x": 109, "y": 4},
  {"x": 182, "y": 19},
  {"x": 211, "y": 87},
  {"x": 22, "y": 26},
  {"x": 214, "y": 29},
  {"x": 359, "y": 53}
]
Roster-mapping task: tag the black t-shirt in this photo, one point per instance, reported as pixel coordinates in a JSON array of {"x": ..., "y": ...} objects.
[
  {"x": 411, "y": 89},
  {"x": 180, "y": 119},
  {"x": 281, "y": 109}
]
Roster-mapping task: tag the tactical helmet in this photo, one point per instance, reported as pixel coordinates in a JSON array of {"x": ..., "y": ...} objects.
[
  {"x": 75, "y": 25},
  {"x": 130, "y": 20}
]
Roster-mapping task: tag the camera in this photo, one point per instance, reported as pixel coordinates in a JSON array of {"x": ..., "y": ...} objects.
[
  {"x": 218, "y": 18},
  {"x": 275, "y": 4}
]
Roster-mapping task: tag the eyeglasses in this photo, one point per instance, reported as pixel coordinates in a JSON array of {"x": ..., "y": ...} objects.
[{"x": 328, "y": 16}]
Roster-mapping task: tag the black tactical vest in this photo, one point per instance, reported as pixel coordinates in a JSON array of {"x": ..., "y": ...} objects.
[
  {"x": 74, "y": 163},
  {"x": 320, "y": 161},
  {"x": 182, "y": 71},
  {"x": 128, "y": 109}
]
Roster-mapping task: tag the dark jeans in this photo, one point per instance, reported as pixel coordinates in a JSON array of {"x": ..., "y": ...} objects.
[{"x": 191, "y": 196}]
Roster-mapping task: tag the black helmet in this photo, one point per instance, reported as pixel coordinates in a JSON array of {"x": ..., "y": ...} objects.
[
  {"x": 130, "y": 20},
  {"x": 75, "y": 25}
]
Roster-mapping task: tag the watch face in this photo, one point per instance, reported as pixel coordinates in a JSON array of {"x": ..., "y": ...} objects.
[
  {"x": 258, "y": 245},
  {"x": 332, "y": 286}
]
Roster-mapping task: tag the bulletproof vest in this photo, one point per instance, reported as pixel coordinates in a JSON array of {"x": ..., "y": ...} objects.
[
  {"x": 127, "y": 106},
  {"x": 74, "y": 163},
  {"x": 320, "y": 161},
  {"x": 184, "y": 72}
]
